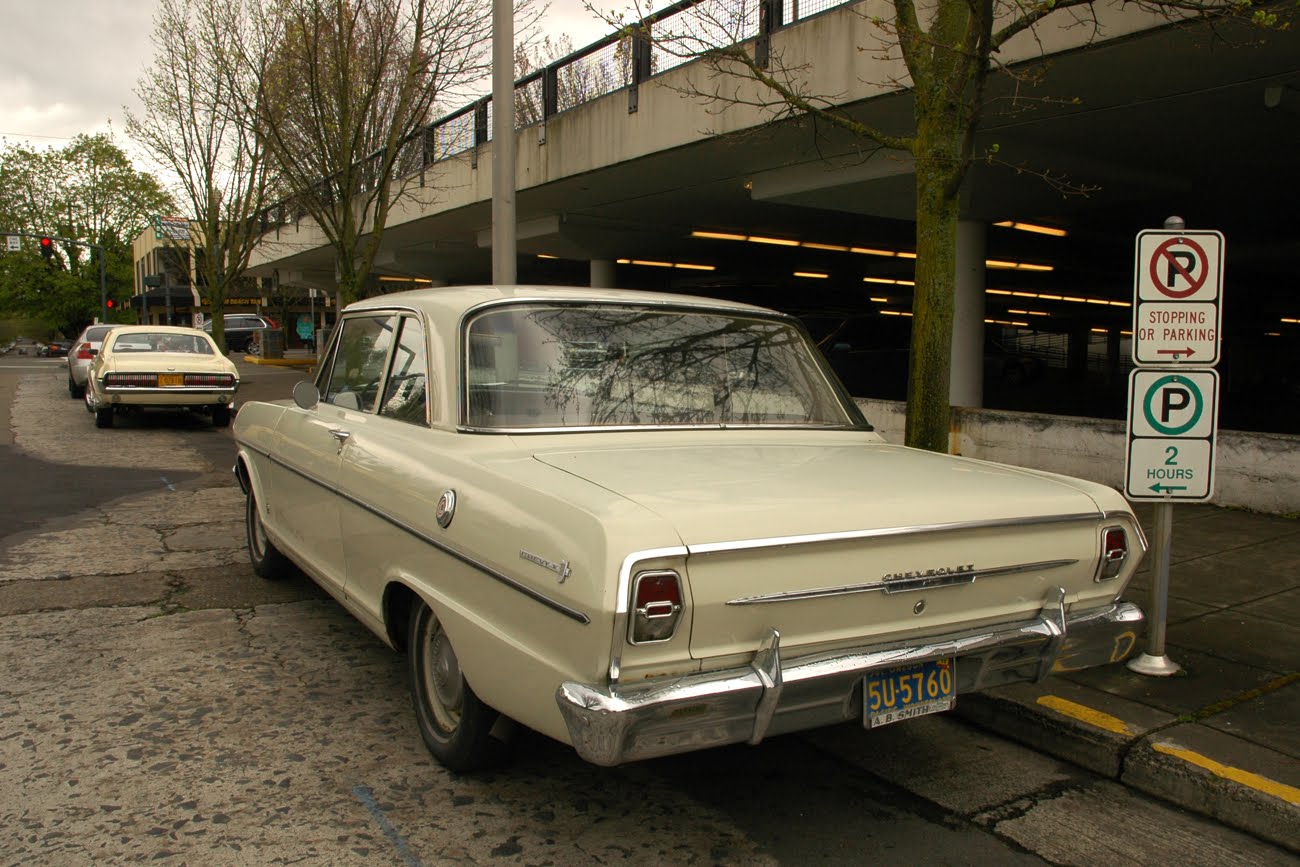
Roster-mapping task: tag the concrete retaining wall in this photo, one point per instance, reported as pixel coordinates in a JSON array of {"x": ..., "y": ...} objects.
[{"x": 1257, "y": 471}]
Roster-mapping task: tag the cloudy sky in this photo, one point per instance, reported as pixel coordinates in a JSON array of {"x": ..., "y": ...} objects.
[{"x": 69, "y": 66}]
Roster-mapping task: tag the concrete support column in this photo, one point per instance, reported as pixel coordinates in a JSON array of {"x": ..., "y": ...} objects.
[
  {"x": 602, "y": 274},
  {"x": 966, "y": 387}
]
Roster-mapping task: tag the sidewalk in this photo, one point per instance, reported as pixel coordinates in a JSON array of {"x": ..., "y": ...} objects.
[{"x": 1221, "y": 738}]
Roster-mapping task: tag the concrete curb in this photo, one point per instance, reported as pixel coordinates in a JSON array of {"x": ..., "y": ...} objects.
[{"x": 1229, "y": 779}]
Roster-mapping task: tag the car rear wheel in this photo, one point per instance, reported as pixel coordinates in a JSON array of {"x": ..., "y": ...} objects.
[
  {"x": 74, "y": 390},
  {"x": 455, "y": 724},
  {"x": 221, "y": 416},
  {"x": 267, "y": 560},
  {"x": 104, "y": 417}
]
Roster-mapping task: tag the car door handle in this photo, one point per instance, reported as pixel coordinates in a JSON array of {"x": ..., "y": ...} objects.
[{"x": 340, "y": 435}]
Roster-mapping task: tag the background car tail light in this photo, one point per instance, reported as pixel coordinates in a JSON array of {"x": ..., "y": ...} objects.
[
  {"x": 131, "y": 380},
  {"x": 1114, "y": 552},
  {"x": 84, "y": 353},
  {"x": 220, "y": 380},
  {"x": 656, "y": 607}
]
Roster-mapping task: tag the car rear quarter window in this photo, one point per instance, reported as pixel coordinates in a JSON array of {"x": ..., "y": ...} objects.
[{"x": 406, "y": 389}]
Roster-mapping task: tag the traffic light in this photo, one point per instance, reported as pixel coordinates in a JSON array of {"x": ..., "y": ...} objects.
[
  {"x": 47, "y": 250},
  {"x": 109, "y": 303}
]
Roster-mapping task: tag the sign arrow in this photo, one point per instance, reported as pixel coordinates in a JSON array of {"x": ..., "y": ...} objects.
[
  {"x": 1167, "y": 489},
  {"x": 1189, "y": 352}
]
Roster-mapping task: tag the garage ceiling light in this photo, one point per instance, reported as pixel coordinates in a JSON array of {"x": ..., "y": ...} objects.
[
  {"x": 815, "y": 275},
  {"x": 888, "y": 281},
  {"x": 1033, "y": 227}
]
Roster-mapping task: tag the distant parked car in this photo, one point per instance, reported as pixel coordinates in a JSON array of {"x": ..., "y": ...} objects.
[
  {"x": 241, "y": 328},
  {"x": 644, "y": 524},
  {"x": 160, "y": 366},
  {"x": 54, "y": 348},
  {"x": 83, "y": 351}
]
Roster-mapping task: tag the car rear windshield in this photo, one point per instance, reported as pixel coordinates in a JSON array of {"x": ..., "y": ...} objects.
[
  {"x": 144, "y": 341},
  {"x": 96, "y": 333},
  {"x": 606, "y": 365}
]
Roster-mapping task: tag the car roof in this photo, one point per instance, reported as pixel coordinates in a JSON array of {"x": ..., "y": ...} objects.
[{"x": 452, "y": 301}]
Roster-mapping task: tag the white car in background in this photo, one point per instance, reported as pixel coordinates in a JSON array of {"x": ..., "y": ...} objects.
[
  {"x": 83, "y": 352},
  {"x": 160, "y": 366}
]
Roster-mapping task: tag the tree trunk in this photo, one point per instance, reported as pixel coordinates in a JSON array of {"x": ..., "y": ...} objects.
[{"x": 937, "y": 183}]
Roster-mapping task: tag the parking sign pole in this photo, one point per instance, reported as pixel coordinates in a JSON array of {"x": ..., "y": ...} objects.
[{"x": 1155, "y": 662}]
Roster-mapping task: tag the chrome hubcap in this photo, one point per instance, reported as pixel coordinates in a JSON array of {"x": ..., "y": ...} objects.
[{"x": 443, "y": 682}]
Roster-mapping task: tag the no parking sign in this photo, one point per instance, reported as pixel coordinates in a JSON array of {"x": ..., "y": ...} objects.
[{"x": 1178, "y": 298}]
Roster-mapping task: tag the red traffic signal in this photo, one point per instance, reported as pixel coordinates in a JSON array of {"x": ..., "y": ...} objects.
[
  {"x": 47, "y": 248},
  {"x": 109, "y": 302}
]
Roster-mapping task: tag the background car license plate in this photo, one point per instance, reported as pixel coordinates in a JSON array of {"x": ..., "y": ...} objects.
[
  {"x": 908, "y": 691},
  {"x": 170, "y": 380}
]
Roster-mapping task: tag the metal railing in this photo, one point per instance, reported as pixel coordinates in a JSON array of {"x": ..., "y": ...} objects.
[{"x": 623, "y": 60}]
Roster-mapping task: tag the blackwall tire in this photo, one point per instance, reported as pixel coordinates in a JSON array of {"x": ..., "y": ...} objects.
[
  {"x": 104, "y": 417},
  {"x": 455, "y": 724}
]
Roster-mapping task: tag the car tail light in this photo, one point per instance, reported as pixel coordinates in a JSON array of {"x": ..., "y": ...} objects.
[
  {"x": 217, "y": 380},
  {"x": 656, "y": 607},
  {"x": 131, "y": 380},
  {"x": 84, "y": 352},
  {"x": 1114, "y": 552}
]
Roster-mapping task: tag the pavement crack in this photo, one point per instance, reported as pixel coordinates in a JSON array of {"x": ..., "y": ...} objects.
[{"x": 1241, "y": 698}]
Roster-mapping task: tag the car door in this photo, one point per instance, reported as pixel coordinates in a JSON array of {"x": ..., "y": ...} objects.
[
  {"x": 384, "y": 480},
  {"x": 315, "y": 442}
]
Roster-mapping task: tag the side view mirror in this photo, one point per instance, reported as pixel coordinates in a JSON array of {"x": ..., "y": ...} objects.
[{"x": 306, "y": 395}]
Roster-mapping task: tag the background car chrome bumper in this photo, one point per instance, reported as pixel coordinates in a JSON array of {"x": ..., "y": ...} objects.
[{"x": 609, "y": 725}]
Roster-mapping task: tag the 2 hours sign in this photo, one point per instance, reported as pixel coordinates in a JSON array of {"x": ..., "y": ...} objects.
[{"x": 1173, "y": 423}]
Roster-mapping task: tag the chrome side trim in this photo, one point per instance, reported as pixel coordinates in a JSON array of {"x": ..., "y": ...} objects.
[
  {"x": 918, "y": 583},
  {"x": 767, "y": 665},
  {"x": 464, "y": 428},
  {"x": 554, "y": 605},
  {"x": 623, "y": 601}
]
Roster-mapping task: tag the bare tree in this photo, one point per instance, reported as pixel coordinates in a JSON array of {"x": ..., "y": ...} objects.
[
  {"x": 349, "y": 86},
  {"x": 193, "y": 125},
  {"x": 948, "y": 49}
]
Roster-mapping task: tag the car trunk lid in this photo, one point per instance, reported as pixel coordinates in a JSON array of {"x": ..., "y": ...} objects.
[{"x": 839, "y": 541}]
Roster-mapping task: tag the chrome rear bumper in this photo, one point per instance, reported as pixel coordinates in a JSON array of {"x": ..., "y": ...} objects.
[{"x": 609, "y": 725}]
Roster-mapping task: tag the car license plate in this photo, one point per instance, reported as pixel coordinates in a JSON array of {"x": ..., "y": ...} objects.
[
  {"x": 170, "y": 380},
  {"x": 907, "y": 691}
]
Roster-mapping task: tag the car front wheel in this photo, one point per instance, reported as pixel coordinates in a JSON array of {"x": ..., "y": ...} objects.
[
  {"x": 267, "y": 560},
  {"x": 455, "y": 724}
]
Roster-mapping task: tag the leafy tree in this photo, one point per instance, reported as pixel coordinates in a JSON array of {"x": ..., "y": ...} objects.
[
  {"x": 87, "y": 191},
  {"x": 193, "y": 124},
  {"x": 948, "y": 50}
]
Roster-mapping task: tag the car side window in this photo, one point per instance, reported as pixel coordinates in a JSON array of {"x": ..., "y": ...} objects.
[
  {"x": 358, "y": 363},
  {"x": 405, "y": 391}
]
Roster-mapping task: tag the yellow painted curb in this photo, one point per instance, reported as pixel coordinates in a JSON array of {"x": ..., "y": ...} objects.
[
  {"x": 280, "y": 362},
  {"x": 1084, "y": 714},
  {"x": 1290, "y": 794}
]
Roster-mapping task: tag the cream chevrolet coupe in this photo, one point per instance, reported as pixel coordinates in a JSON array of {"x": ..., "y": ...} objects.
[
  {"x": 160, "y": 366},
  {"x": 643, "y": 524}
]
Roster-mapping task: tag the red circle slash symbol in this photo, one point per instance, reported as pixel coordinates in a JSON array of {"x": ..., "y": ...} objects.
[{"x": 1179, "y": 263}]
